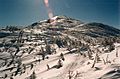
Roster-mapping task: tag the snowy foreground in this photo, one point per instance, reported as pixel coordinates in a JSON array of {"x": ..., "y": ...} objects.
[
  {"x": 77, "y": 66},
  {"x": 74, "y": 66}
]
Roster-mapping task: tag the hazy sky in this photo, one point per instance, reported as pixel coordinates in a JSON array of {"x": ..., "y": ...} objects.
[{"x": 26, "y": 12}]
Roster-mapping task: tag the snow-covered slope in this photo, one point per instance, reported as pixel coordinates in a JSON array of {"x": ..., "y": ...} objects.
[{"x": 61, "y": 48}]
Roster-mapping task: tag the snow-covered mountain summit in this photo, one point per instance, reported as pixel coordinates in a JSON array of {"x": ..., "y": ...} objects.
[{"x": 92, "y": 29}]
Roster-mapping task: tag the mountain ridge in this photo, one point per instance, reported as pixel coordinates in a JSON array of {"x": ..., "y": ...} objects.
[{"x": 92, "y": 28}]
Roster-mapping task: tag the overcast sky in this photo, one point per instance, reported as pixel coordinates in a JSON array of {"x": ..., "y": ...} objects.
[{"x": 26, "y": 12}]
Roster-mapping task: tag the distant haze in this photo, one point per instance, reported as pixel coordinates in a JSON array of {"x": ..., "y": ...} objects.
[{"x": 26, "y": 12}]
